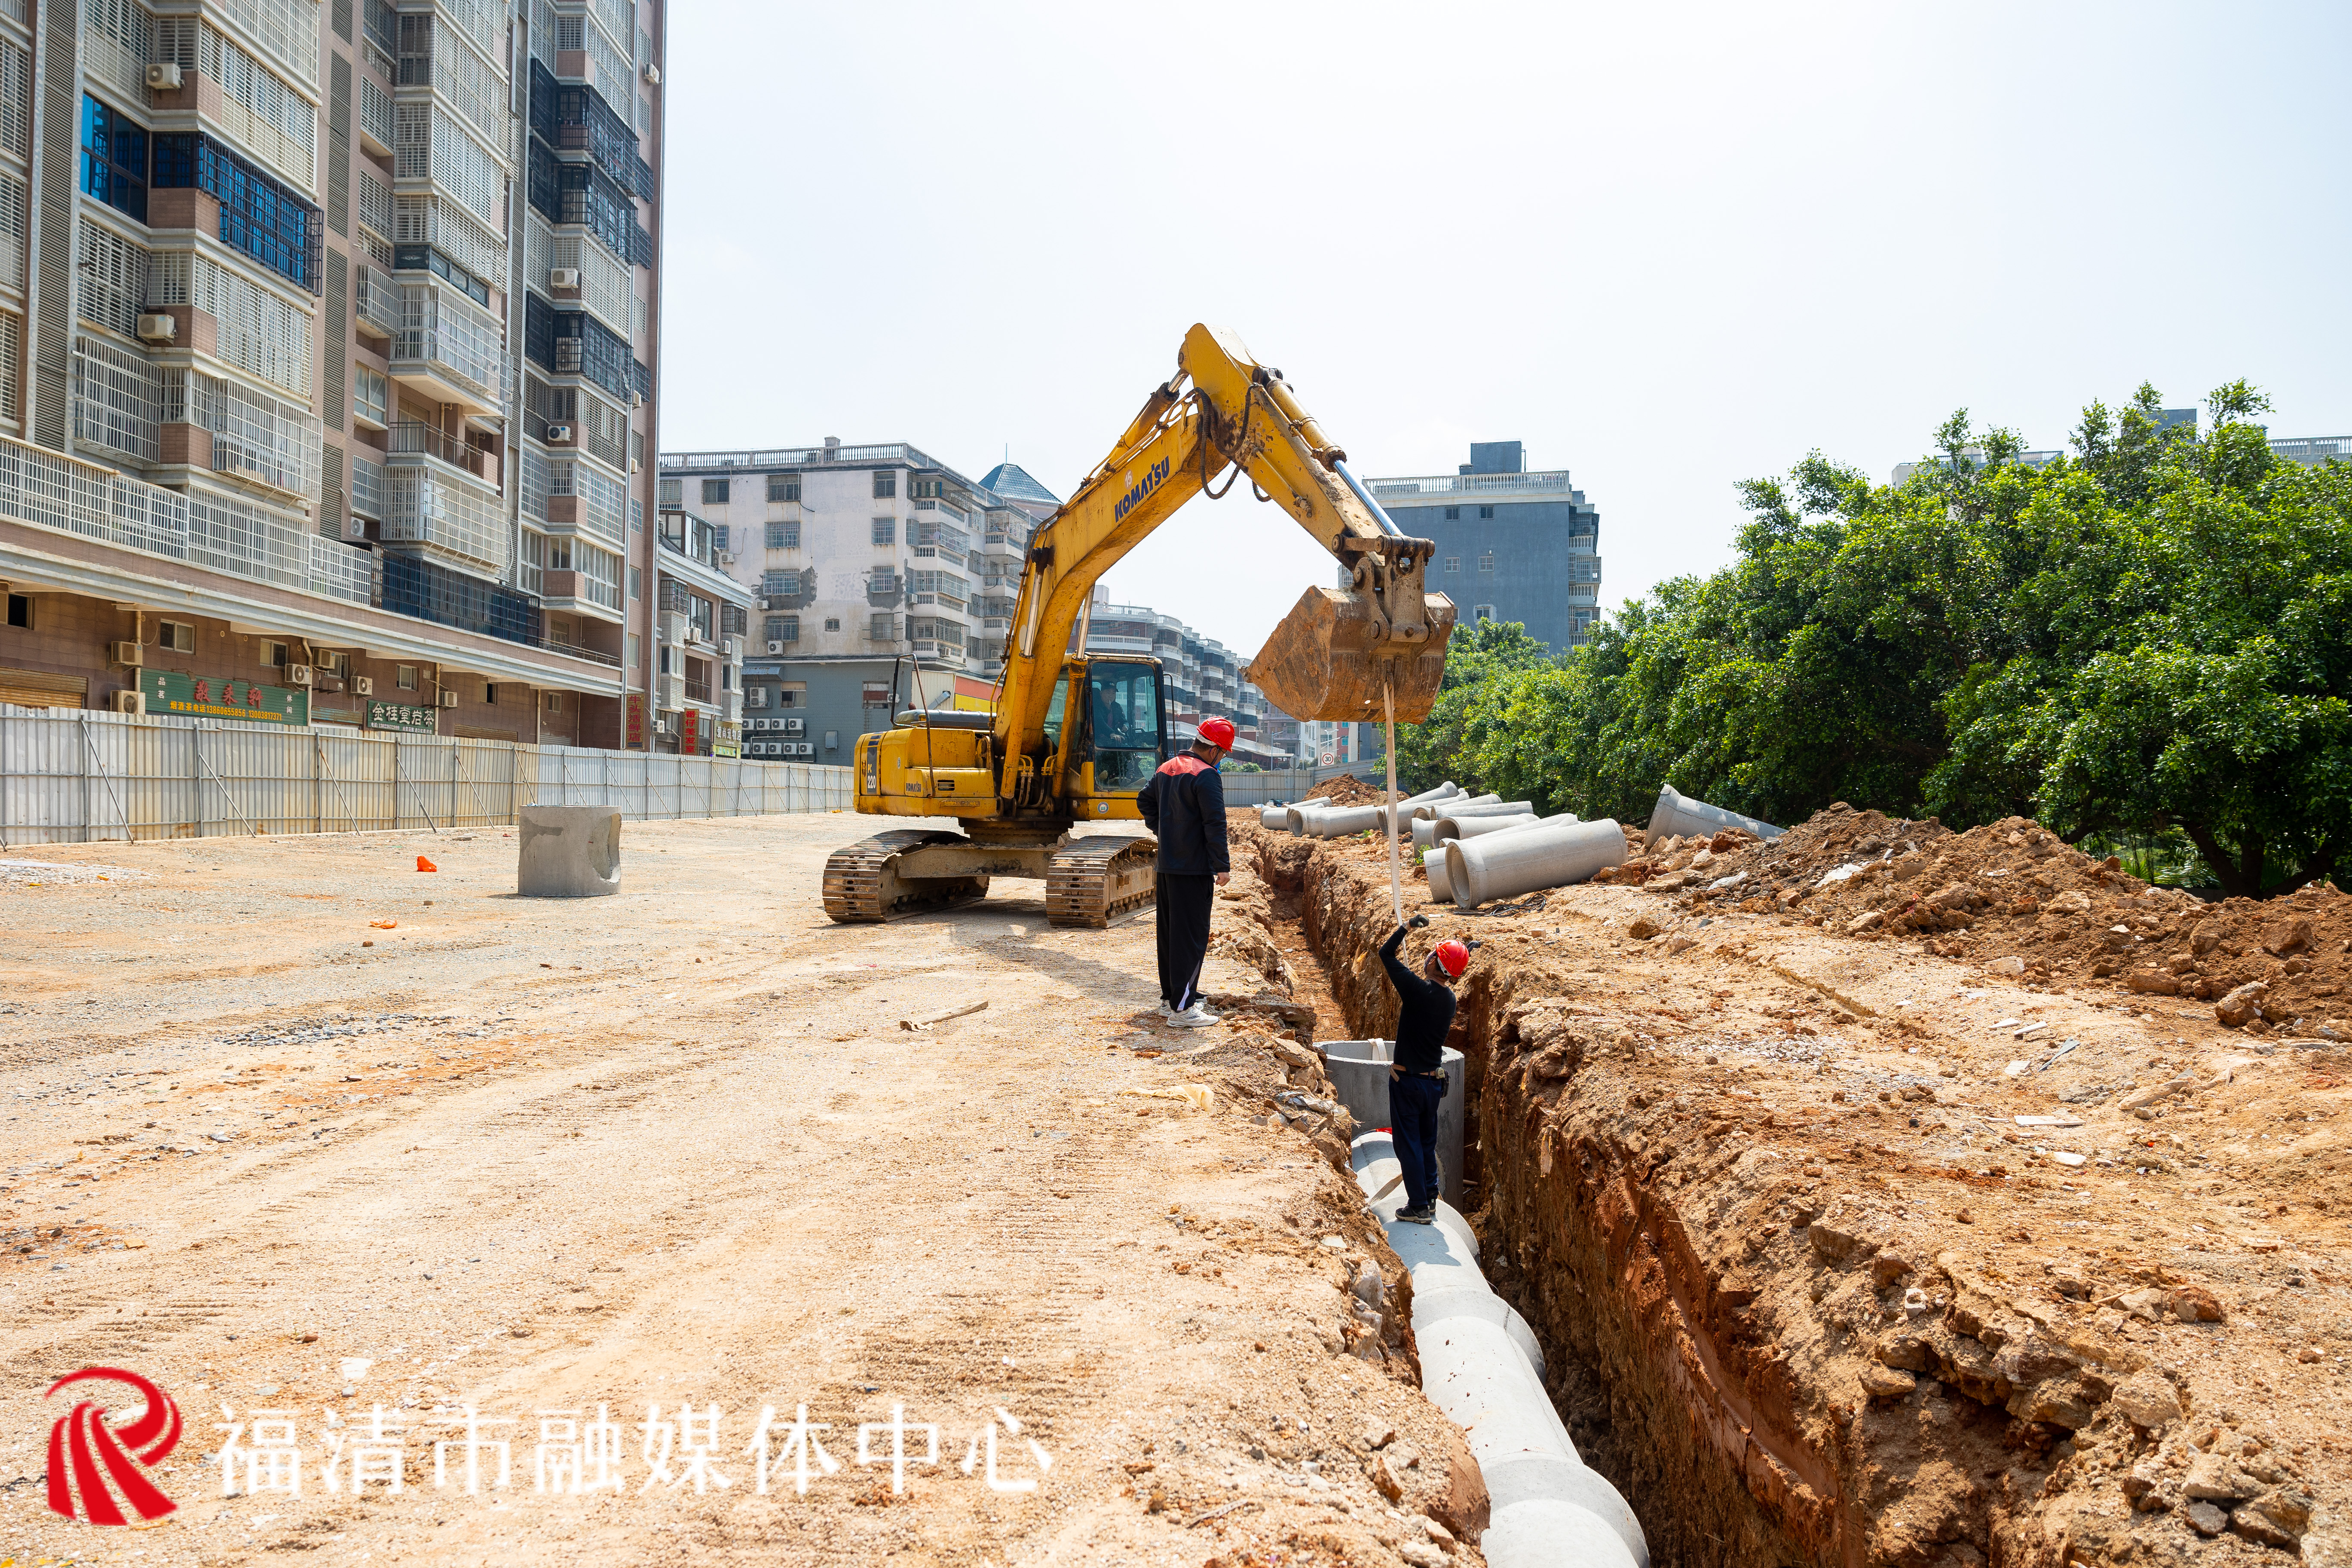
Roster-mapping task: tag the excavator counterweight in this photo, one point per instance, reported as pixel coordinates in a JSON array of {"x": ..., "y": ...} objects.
[{"x": 1072, "y": 734}]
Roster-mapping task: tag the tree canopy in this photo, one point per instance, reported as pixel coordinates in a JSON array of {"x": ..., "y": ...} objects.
[{"x": 2152, "y": 632}]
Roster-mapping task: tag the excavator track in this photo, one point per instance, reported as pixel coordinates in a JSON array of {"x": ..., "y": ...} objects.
[
  {"x": 1093, "y": 881},
  {"x": 861, "y": 885}
]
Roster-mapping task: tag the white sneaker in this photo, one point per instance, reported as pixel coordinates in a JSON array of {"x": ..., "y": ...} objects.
[{"x": 1196, "y": 1017}]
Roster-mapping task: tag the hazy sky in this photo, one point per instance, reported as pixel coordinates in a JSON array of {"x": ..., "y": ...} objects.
[{"x": 1667, "y": 250}]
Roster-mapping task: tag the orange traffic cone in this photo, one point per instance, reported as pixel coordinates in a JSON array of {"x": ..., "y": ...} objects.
[{"x": 425, "y": 864}]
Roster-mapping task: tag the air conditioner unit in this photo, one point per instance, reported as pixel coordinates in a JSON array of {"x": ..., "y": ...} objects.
[
  {"x": 301, "y": 675},
  {"x": 127, "y": 701},
  {"x": 564, "y": 278},
  {"x": 559, "y": 434},
  {"x": 127, "y": 653},
  {"x": 795, "y": 726},
  {"x": 653, "y": 73},
  {"x": 165, "y": 76},
  {"x": 355, "y": 529},
  {"x": 636, "y": 399},
  {"x": 158, "y": 327},
  {"x": 448, "y": 699},
  {"x": 775, "y": 646},
  {"x": 363, "y": 686},
  {"x": 808, "y": 748},
  {"x": 661, "y": 726}
]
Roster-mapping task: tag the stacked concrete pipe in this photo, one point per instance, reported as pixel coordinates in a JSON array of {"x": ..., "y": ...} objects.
[
  {"x": 1504, "y": 865},
  {"x": 1448, "y": 828},
  {"x": 1678, "y": 816},
  {"x": 1484, "y": 804},
  {"x": 1482, "y": 1365},
  {"x": 1337, "y": 821},
  {"x": 1440, "y": 891},
  {"x": 1422, "y": 805},
  {"x": 1276, "y": 819}
]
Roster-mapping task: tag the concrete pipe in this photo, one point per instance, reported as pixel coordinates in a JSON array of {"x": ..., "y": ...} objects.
[
  {"x": 1504, "y": 865},
  {"x": 1340, "y": 821},
  {"x": 568, "y": 852},
  {"x": 1425, "y": 827},
  {"x": 1678, "y": 816},
  {"x": 1292, "y": 814},
  {"x": 1447, "y": 828},
  {"x": 1440, "y": 891},
  {"x": 1409, "y": 806},
  {"x": 1482, "y": 1365},
  {"x": 1359, "y": 1070},
  {"x": 1276, "y": 819}
]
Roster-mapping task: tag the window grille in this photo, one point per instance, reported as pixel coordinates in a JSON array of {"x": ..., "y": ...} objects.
[
  {"x": 12, "y": 343},
  {"x": 885, "y": 483},
  {"x": 483, "y": 23},
  {"x": 255, "y": 106},
  {"x": 439, "y": 58},
  {"x": 234, "y": 535},
  {"x": 784, "y": 536},
  {"x": 604, "y": 286},
  {"x": 443, "y": 328},
  {"x": 375, "y": 112},
  {"x": 783, "y": 487},
  {"x": 255, "y": 437},
  {"x": 367, "y": 487},
  {"x": 117, "y": 399},
  {"x": 375, "y": 205},
  {"x": 569, "y": 343},
  {"x": 257, "y": 331},
  {"x": 16, "y": 99},
  {"x": 1486, "y": 562},
  {"x": 259, "y": 215},
  {"x": 605, "y": 60},
  {"x": 428, "y": 143},
  {"x": 12, "y": 231},
  {"x": 285, "y": 30},
  {"x": 885, "y": 530},
  {"x": 450, "y": 229},
  {"x": 531, "y": 569},
  {"x": 113, "y": 280},
  {"x": 457, "y": 522},
  {"x": 118, "y": 40},
  {"x": 715, "y": 491}
]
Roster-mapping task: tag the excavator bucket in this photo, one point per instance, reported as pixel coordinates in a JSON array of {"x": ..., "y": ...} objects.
[{"x": 1328, "y": 661}]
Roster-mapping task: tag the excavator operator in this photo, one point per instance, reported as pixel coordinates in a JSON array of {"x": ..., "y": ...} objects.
[{"x": 1185, "y": 807}]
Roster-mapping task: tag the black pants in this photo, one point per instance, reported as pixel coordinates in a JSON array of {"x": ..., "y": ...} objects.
[
  {"x": 1412, "y": 1124},
  {"x": 1183, "y": 926}
]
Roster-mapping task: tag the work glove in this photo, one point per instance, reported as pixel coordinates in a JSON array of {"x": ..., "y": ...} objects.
[{"x": 1418, "y": 921}]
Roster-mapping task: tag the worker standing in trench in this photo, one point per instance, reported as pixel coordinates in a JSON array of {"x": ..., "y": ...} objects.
[
  {"x": 1417, "y": 1074},
  {"x": 1184, "y": 806}
]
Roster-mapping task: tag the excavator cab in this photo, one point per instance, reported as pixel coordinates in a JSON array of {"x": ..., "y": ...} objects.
[{"x": 1109, "y": 745}]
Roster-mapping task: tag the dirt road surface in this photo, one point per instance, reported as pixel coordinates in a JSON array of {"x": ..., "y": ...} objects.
[{"x": 621, "y": 1175}]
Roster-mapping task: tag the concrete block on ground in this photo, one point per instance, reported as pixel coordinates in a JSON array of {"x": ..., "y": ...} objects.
[{"x": 568, "y": 852}]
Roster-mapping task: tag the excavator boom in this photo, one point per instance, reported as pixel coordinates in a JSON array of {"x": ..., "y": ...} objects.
[{"x": 1074, "y": 733}]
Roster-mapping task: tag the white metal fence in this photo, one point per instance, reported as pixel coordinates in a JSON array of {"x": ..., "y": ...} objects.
[
  {"x": 1287, "y": 785},
  {"x": 76, "y": 775}
]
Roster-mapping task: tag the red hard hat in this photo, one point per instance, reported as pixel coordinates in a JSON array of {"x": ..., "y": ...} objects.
[
  {"x": 1453, "y": 958},
  {"x": 1218, "y": 733}
]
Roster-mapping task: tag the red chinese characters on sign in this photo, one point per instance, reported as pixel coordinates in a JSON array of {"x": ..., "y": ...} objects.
[
  {"x": 635, "y": 721},
  {"x": 689, "y": 733}
]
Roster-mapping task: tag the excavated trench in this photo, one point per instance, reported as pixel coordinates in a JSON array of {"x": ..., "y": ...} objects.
[{"x": 1561, "y": 1239}]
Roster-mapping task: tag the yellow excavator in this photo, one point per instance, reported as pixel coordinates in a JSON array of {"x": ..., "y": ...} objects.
[{"x": 1071, "y": 736}]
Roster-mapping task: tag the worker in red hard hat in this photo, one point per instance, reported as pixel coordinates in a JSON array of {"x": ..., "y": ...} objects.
[
  {"x": 1417, "y": 1079},
  {"x": 1184, "y": 806}
]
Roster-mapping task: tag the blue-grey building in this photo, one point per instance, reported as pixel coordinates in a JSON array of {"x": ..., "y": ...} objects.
[{"x": 1511, "y": 545}]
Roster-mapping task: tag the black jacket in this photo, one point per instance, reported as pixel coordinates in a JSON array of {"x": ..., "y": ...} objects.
[
  {"x": 1184, "y": 806},
  {"x": 1425, "y": 1011}
]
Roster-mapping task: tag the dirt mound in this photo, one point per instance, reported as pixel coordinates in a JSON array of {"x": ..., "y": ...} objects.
[
  {"x": 1347, "y": 790},
  {"x": 2015, "y": 896}
]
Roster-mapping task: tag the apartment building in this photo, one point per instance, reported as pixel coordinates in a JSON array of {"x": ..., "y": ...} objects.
[
  {"x": 871, "y": 574},
  {"x": 326, "y": 337},
  {"x": 1511, "y": 545}
]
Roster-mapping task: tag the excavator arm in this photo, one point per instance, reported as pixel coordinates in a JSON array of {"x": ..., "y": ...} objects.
[{"x": 1336, "y": 656}]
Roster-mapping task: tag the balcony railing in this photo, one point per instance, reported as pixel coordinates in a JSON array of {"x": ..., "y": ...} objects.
[
  {"x": 411, "y": 438},
  {"x": 696, "y": 690},
  {"x": 378, "y": 300}
]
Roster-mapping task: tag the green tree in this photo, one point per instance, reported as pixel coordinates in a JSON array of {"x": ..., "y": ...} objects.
[{"x": 1430, "y": 753}]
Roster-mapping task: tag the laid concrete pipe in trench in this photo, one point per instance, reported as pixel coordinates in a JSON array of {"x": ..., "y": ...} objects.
[
  {"x": 1359, "y": 1070},
  {"x": 1276, "y": 819},
  {"x": 1482, "y": 1365},
  {"x": 1677, "y": 815},
  {"x": 1504, "y": 865}
]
